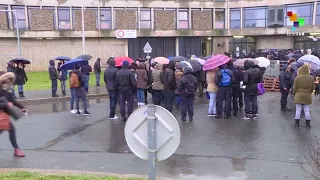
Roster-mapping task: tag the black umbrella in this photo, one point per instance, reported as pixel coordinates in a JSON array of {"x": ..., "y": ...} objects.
[
  {"x": 177, "y": 58},
  {"x": 85, "y": 57},
  {"x": 196, "y": 66},
  {"x": 20, "y": 60},
  {"x": 207, "y": 57}
]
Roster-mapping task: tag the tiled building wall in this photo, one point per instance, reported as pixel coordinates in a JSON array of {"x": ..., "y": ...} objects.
[
  {"x": 89, "y": 20},
  {"x": 202, "y": 20},
  {"x": 39, "y": 52},
  {"x": 164, "y": 20},
  {"x": 126, "y": 19},
  {"x": 220, "y": 45},
  {"x": 41, "y": 19},
  {"x": 3, "y": 20}
]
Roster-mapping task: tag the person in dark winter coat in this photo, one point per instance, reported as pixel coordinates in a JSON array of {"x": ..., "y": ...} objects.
[
  {"x": 251, "y": 78},
  {"x": 53, "y": 74},
  {"x": 187, "y": 87},
  {"x": 21, "y": 78},
  {"x": 63, "y": 77},
  {"x": 142, "y": 80},
  {"x": 201, "y": 77},
  {"x": 11, "y": 68},
  {"x": 77, "y": 82},
  {"x": 238, "y": 77},
  {"x": 97, "y": 71},
  {"x": 86, "y": 70},
  {"x": 223, "y": 80},
  {"x": 111, "y": 84},
  {"x": 169, "y": 85},
  {"x": 7, "y": 101},
  {"x": 285, "y": 84},
  {"x": 127, "y": 85}
]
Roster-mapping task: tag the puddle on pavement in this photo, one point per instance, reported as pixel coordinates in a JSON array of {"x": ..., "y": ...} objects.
[{"x": 54, "y": 107}]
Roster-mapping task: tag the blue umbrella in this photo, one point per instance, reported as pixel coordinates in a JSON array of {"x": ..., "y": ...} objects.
[
  {"x": 64, "y": 58},
  {"x": 85, "y": 57},
  {"x": 69, "y": 65}
]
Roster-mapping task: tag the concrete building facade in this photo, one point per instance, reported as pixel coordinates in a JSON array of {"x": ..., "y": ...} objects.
[{"x": 49, "y": 28}]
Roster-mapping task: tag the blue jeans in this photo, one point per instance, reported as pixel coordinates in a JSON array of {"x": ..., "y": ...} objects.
[
  {"x": 86, "y": 82},
  {"x": 13, "y": 94},
  {"x": 81, "y": 95},
  {"x": 157, "y": 97},
  {"x": 140, "y": 95},
  {"x": 97, "y": 79},
  {"x": 213, "y": 101},
  {"x": 113, "y": 97},
  {"x": 63, "y": 85},
  {"x": 178, "y": 100},
  {"x": 73, "y": 97},
  {"x": 20, "y": 88}
]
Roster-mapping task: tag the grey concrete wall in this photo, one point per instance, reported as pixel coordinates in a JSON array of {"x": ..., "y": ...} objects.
[
  {"x": 41, "y": 19},
  {"x": 39, "y": 52},
  {"x": 275, "y": 42},
  {"x": 89, "y": 20},
  {"x": 202, "y": 20},
  {"x": 126, "y": 19}
]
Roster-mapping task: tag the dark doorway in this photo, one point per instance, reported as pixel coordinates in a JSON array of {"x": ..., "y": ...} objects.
[
  {"x": 190, "y": 46},
  {"x": 165, "y": 47}
]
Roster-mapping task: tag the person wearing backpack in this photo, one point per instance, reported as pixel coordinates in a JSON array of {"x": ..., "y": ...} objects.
[
  {"x": 187, "y": 86},
  {"x": 223, "y": 80},
  {"x": 77, "y": 83},
  {"x": 251, "y": 78}
]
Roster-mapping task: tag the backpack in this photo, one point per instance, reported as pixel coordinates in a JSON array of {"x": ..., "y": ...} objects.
[
  {"x": 225, "y": 78},
  {"x": 261, "y": 89},
  {"x": 190, "y": 86},
  {"x": 74, "y": 80}
]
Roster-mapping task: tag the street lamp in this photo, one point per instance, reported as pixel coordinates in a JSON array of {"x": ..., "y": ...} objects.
[{"x": 83, "y": 35}]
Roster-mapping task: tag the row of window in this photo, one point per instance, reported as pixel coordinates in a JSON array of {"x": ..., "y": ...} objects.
[
  {"x": 257, "y": 17},
  {"x": 104, "y": 15}
]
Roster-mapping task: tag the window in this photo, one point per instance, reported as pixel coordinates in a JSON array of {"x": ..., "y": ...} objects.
[
  {"x": 21, "y": 17},
  {"x": 318, "y": 14},
  {"x": 105, "y": 18},
  {"x": 183, "y": 20},
  {"x": 54, "y": 15},
  {"x": 64, "y": 18},
  {"x": 302, "y": 10},
  {"x": 145, "y": 19},
  {"x": 219, "y": 19},
  {"x": 254, "y": 17},
  {"x": 238, "y": 47},
  {"x": 235, "y": 19}
]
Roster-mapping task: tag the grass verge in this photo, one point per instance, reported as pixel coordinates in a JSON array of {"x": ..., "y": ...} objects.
[
  {"x": 39, "y": 176},
  {"x": 41, "y": 81}
]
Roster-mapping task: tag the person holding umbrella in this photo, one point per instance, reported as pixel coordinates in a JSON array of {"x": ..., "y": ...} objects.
[
  {"x": 63, "y": 77},
  {"x": 21, "y": 78},
  {"x": 86, "y": 69}
]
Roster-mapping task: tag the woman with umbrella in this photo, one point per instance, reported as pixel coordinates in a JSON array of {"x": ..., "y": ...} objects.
[
  {"x": 63, "y": 74},
  {"x": 21, "y": 77}
]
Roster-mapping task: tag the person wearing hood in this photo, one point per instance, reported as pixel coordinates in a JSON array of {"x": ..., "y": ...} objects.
[
  {"x": 63, "y": 76},
  {"x": 223, "y": 80},
  {"x": 187, "y": 86},
  {"x": 142, "y": 80},
  {"x": 178, "y": 75},
  {"x": 127, "y": 85},
  {"x": 238, "y": 77},
  {"x": 157, "y": 84},
  {"x": 86, "y": 70},
  {"x": 54, "y": 78},
  {"x": 303, "y": 88},
  {"x": 11, "y": 68},
  {"x": 285, "y": 84},
  {"x": 77, "y": 82},
  {"x": 169, "y": 85},
  {"x": 21, "y": 78},
  {"x": 111, "y": 84},
  {"x": 97, "y": 71},
  {"x": 251, "y": 78},
  {"x": 7, "y": 101}
]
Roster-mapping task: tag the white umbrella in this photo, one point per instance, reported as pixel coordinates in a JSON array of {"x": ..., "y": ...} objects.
[{"x": 263, "y": 62}]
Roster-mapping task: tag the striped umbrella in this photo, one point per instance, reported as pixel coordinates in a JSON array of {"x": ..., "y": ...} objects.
[{"x": 216, "y": 61}]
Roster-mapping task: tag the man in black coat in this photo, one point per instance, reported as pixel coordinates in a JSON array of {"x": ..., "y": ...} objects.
[
  {"x": 111, "y": 84},
  {"x": 238, "y": 77},
  {"x": 251, "y": 78},
  {"x": 285, "y": 84},
  {"x": 97, "y": 71},
  {"x": 53, "y": 77},
  {"x": 127, "y": 85},
  {"x": 169, "y": 85}
]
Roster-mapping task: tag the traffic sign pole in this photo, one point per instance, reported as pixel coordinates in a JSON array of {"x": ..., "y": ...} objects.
[{"x": 152, "y": 145}]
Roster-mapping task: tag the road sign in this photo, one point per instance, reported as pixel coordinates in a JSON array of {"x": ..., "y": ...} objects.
[
  {"x": 167, "y": 132},
  {"x": 121, "y": 34},
  {"x": 147, "y": 48}
]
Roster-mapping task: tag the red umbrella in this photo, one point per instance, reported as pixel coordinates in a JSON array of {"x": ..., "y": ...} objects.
[{"x": 119, "y": 60}]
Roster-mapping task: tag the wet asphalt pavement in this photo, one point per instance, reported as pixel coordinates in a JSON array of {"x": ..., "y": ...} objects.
[{"x": 267, "y": 148}]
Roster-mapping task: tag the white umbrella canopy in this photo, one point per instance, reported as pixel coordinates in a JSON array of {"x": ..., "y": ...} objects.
[{"x": 263, "y": 62}]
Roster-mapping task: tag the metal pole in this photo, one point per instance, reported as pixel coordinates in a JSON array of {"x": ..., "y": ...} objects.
[
  {"x": 152, "y": 146},
  {"x": 18, "y": 33},
  {"x": 83, "y": 36}
]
